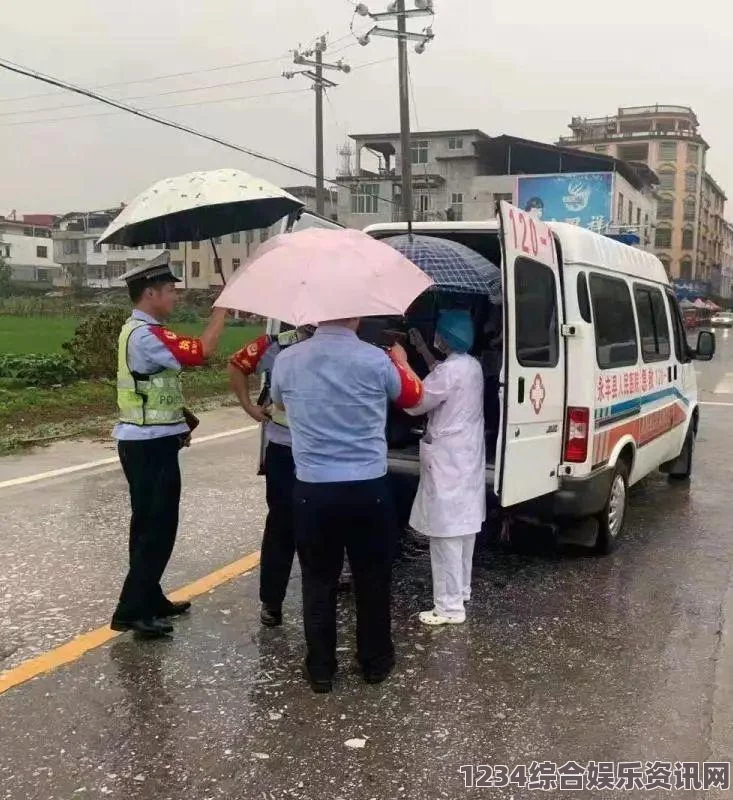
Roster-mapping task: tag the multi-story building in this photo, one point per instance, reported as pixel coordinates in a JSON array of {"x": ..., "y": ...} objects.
[
  {"x": 443, "y": 164},
  {"x": 710, "y": 235},
  {"x": 26, "y": 246},
  {"x": 666, "y": 138},
  {"x": 464, "y": 173},
  {"x": 726, "y": 282}
]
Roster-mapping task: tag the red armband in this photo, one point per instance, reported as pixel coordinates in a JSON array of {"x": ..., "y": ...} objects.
[
  {"x": 411, "y": 386},
  {"x": 247, "y": 359},
  {"x": 187, "y": 351}
]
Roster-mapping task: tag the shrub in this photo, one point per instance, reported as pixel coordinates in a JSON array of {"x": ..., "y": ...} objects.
[
  {"x": 36, "y": 370},
  {"x": 94, "y": 346},
  {"x": 185, "y": 314}
]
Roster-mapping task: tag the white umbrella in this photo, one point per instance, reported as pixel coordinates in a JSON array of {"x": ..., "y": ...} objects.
[{"x": 200, "y": 205}]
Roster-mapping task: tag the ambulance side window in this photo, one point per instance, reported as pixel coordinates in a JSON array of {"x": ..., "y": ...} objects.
[
  {"x": 680, "y": 335},
  {"x": 613, "y": 316},
  {"x": 653, "y": 326},
  {"x": 536, "y": 314}
]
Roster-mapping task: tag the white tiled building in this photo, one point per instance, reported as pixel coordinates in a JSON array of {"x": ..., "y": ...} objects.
[{"x": 28, "y": 249}]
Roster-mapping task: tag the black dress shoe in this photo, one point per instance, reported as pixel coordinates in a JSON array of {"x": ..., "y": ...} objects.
[
  {"x": 171, "y": 609},
  {"x": 374, "y": 676},
  {"x": 319, "y": 686},
  {"x": 150, "y": 628},
  {"x": 271, "y": 616}
]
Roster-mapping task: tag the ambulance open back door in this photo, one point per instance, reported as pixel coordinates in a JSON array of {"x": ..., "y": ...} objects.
[{"x": 529, "y": 448}]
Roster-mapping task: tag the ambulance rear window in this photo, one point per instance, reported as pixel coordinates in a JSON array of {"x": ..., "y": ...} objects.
[{"x": 613, "y": 319}]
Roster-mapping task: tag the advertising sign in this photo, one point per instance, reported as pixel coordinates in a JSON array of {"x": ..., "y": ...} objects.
[{"x": 579, "y": 198}]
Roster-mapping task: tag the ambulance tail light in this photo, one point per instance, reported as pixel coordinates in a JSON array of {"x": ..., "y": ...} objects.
[{"x": 577, "y": 431}]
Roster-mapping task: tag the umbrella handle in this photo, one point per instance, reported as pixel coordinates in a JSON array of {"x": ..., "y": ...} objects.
[{"x": 217, "y": 263}]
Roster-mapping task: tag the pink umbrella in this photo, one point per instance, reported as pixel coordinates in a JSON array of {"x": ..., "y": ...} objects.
[{"x": 317, "y": 275}]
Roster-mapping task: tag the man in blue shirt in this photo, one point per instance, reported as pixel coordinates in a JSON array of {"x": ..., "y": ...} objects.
[
  {"x": 335, "y": 389},
  {"x": 153, "y": 427}
]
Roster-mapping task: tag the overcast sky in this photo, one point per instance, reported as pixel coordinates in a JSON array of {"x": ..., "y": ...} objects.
[{"x": 522, "y": 68}]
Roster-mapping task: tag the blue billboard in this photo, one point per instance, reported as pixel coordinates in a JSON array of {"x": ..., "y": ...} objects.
[{"x": 580, "y": 198}]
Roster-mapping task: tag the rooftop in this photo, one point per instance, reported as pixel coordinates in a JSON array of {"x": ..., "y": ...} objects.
[{"x": 417, "y": 134}]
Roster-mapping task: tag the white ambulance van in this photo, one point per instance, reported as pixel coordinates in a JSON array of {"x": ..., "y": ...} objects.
[{"x": 597, "y": 386}]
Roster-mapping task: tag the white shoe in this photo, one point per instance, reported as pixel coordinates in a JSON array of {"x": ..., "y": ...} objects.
[{"x": 434, "y": 618}]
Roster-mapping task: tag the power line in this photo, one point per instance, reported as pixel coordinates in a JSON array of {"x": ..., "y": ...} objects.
[
  {"x": 18, "y": 69},
  {"x": 157, "y": 77},
  {"x": 154, "y": 108},
  {"x": 147, "y": 96}
]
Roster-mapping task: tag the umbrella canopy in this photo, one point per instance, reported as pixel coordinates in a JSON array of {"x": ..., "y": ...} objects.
[
  {"x": 200, "y": 205},
  {"x": 700, "y": 303},
  {"x": 316, "y": 275},
  {"x": 451, "y": 265},
  {"x": 685, "y": 303}
]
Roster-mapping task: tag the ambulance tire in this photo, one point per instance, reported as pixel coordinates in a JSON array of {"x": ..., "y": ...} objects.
[
  {"x": 611, "y": 519},
  {"x": 684, "y": 471}
]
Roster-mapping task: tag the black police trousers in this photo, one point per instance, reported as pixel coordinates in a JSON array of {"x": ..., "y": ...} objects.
[
  {"x": 278, "y": 540},
  {"x": 360, "y": 517},
  {"x": 154, "y": 477}
]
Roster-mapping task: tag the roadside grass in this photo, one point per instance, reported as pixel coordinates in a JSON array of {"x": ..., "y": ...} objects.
[{"x": 33, "y": 415}]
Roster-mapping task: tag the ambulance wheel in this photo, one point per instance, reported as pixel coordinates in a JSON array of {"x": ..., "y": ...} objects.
[
  {"x": 611, "y": 519},
  {"x": 683, "y": 465}
]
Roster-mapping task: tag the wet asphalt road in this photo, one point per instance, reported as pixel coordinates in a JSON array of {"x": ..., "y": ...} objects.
[{"x": 564, "y": 657}]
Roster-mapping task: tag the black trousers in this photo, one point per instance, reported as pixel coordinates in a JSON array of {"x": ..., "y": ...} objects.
[
  {"x": 154, "y": 477},
  {"x": 359, "y": 517},
  {"x": 278, "y": 541}
]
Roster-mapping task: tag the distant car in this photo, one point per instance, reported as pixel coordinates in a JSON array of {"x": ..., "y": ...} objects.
[{"x": 722, "y": 320}]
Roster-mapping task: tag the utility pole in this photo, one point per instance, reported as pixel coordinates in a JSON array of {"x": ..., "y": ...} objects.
[
  {"x": 314, "y": 58},
  {"x": 396, "y": 9},
  {"x": 407, "y": 206}
]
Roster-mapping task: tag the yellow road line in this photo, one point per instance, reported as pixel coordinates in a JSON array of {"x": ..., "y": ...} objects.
[{"x": 77, "y": 647}]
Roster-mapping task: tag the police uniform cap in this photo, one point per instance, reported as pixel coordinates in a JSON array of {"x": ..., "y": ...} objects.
[{"x": 157, "y": 270}]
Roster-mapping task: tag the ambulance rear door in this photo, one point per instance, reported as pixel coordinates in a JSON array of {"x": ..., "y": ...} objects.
[{"x": 529, "y": 449}]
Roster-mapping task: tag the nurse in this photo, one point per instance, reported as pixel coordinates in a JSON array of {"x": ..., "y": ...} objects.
[{"x": 450, "y": 506}]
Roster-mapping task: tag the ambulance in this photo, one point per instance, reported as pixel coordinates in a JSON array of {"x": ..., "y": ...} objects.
[{"x": 596, "y": 385}]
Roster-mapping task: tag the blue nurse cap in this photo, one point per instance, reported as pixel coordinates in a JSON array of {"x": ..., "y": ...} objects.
[{"x": 456, "y": 329}]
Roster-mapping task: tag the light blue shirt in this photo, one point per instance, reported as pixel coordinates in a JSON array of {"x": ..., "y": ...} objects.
[
  {"x": 335, "y": 389},
  {"x": 277, "y": 434},
  {"x": 147, "y": 354}
]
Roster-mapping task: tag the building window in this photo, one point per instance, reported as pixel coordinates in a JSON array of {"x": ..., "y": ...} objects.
[
  {"x": 693, "y": 153},
  {"x": 217, "y": 240},
  {"x": 689, "y": 210},
  {"x": 620, "y": 208},
  {"x": 686, "y": 269},
  {"x": 235, "y": 264},
  {"x": 171, "y": 245},
  {"x": 365, "y": 200},
  {"x": 263, "y": 234},
  {"x": 4, "y": 250},
  {"x": 195, "y": 269},
  {"x": 43, "y": 276},
  {"x": 536, "y": 314},
  {"x": 665, "y": 208},
  {"x": 668, "y": 151},
  {"x": 249, "y": 236},
  {"x": 506, "y": 197},
  {"x": 454, "y": 143},
  {"x": 613, "y": 317},
  {"x": 666, "y": 263},
  {"x": 41, "y": 251},
  {"x": 423, "y": 204},
  {"x": 633, "y": 152},
  {"x": 638, "y": 218},
  {"x": 419, "y": 152},
  {"x": 653, "y": 326},
  {"x": 667, "y": 180},
  {"x": 195, "y": 245},
  {"x": 688, "y": 239},
  {"x": 690, "y": 182},
  {"x": 27, "y": 231},
  {"x": 631, "y": 213},
  {"x": 663, "y": 237},
  {"x": 97, "y": 247},
  {"x": 235, "y": 238},
  {"x": 71, "y": 247},
  {"x": 456, "y": 203}
]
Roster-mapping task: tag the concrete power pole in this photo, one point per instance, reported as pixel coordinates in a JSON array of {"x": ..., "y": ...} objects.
[
  {"x": 396, "y": 9},
  {"x": 314, "y": 58}
]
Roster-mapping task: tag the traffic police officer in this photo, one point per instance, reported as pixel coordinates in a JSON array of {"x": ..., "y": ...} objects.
[
  {"x": 278, "y": 540},
  {"x": 153, "y": 426}
]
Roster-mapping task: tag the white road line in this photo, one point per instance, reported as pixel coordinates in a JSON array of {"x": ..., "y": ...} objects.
[
  {"x": 103, "y": 462},
  {"x": 725, "y": 386},
  {"x": 709, "y": 403}
]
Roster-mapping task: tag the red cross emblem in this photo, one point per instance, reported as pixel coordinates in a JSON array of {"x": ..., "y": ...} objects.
[{"x": 537, "y": 394}]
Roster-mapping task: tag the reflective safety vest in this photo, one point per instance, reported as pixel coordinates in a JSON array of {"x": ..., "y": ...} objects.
[{"x": 155, "y": 399}]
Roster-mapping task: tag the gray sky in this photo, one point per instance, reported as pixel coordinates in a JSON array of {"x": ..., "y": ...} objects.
[{"x": 522, "y": 68}]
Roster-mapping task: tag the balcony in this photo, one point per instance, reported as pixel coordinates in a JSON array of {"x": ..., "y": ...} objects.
[{"x": 591, "y": 136}]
